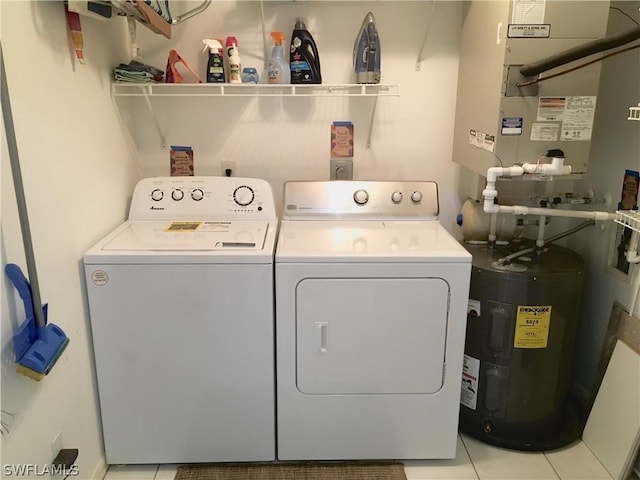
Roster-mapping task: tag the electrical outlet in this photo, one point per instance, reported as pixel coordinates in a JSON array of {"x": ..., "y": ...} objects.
[
  {"x": 56, "y": 445},
  {"x": 341, "y": 169},
  {"x": 228, "y": 166}
]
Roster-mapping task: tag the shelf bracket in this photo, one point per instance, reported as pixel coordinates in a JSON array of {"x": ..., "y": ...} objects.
[
  {"x": 163, "y": 138},
  {"x": 373, "y": 114}
]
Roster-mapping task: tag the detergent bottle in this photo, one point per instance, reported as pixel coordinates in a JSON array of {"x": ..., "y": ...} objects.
[
  {"x": 233, "y": 56},
  {"x": 304, "y": 60},
  {"x": 278, "y": 68},
  {"x": 215, "y": 65}
]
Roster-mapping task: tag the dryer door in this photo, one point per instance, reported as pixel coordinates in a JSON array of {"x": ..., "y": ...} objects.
[{"x": 371, "y": 335}]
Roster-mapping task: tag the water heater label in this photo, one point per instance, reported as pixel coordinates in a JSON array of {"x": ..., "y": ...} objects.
[
  {"x": 532, "y": 326},
  {"x": 470, "y": 373}
]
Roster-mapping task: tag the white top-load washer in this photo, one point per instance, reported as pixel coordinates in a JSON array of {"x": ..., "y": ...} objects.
[
  {"x": 182, "y": 318},
  {"x": 371, "y": 302}
]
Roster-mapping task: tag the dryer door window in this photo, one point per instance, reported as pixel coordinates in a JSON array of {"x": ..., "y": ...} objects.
[{"x": 371, "y": 335}]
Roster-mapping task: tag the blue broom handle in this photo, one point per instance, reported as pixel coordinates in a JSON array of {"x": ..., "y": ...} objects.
[{"x": 20, "y": 199}]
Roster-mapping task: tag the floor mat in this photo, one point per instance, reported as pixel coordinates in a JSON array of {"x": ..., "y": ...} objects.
[{"x": 293, "y": 471}]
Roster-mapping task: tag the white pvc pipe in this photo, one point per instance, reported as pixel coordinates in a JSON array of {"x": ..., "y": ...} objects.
[
  {"x": 493, "y": 226},
  {"x": 633, "y": 253},
  {"x": 490, "y": 193},
  {"x": 556, "y": 167},
  {"x": 541, "y": 225},
  {"x": 523, "y": 210}
]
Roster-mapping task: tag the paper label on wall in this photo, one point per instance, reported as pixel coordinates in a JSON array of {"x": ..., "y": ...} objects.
[
  {"x": 469, "y": 389},
  {"x": 545, "y": 132},
  {"x": 532, "y": 326},
  {"x": 482, "y": 140},
  {"x": 528, "y": 11}
]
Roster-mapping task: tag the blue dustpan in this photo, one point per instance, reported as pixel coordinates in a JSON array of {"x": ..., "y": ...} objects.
[{"x": 36, "y": 348}]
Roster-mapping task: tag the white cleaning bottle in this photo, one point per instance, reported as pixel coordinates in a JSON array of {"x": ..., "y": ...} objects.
[
  {"x": 278, "y": 68},
  {"x": 235, "y": 67}
]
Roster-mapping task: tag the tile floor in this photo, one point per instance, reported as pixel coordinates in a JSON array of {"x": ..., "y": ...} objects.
[{"x": 475, "y": 461}]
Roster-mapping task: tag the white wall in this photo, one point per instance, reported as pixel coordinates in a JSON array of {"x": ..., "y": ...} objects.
[
  {"x": 79, "y": 169},
  {"x": 615, "y": 147},
  {"x": 288, "y": 138},
  {"x": 78, "y": 172}
]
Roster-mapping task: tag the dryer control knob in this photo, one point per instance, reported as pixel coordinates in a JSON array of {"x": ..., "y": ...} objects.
[
  {"x": 416, "y": 196},
  {"x": 157, "y": 195},
  {"x": 361, "y": 197},
  {"x": 177, "y": 194},
  {"x": 396, "y": 197},
  {"x": 197, "y": 194}
]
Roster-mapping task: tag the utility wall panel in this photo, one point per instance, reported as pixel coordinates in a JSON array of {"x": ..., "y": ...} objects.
[{"x": 495, "y": 123}]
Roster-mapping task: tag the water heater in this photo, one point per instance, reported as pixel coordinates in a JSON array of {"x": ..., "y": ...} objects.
[{"x": 499, "y": 122}]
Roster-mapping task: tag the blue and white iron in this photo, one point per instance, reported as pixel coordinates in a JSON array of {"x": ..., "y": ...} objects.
[{"x": 366, "y": 52}]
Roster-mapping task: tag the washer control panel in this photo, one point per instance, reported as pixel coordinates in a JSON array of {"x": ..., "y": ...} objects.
[
  {"x": 202, "y": 198},
  {"x": 355, "y": 199}
]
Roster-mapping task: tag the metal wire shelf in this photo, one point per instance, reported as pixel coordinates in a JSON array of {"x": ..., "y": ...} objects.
[{"x": 629, "y": 218}]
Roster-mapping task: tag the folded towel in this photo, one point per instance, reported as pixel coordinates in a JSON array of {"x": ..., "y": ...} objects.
[{"x": 137, "y": 72}]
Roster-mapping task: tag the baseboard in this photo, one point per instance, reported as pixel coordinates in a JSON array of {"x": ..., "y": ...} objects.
[{"x": 100, "y": 471}]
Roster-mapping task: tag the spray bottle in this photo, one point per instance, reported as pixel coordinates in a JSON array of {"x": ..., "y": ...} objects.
[
  {"x": 215, "y": 65},
  {"x": 278, "y": 68},
  {"x": 233, "y": 56}
]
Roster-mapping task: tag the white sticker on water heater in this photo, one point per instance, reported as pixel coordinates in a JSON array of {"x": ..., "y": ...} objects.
[{"x": 469, "y": 387}]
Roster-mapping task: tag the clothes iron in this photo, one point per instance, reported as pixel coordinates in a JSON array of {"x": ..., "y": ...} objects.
[{"x": 366, "y": 52}]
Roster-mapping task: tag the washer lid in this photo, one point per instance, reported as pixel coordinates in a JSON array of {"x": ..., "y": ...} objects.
[
  {"x": 152, "y": 241},
  {"x": 360, "y": 241},
  {"x": 190, "y": 236}
]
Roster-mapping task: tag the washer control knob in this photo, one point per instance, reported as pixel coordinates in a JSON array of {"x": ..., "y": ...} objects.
[
  {"x": 416, "y": 196},
  {"x": 244, "y": 195},
  {"x": 177, "y": 194},
  {"x": 197, "y": 194},
  {"x": 396, "y": 197},
  {"x": 157, "y": 195},
  {"x": 361, "y": 197}
]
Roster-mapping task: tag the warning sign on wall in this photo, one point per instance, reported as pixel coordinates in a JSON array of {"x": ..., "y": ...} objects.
[{"x": 532, "y": 326}]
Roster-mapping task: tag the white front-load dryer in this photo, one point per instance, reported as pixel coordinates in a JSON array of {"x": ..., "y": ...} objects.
[
  {"x": 371, "y": 300},
  {"x": 182, "y": 317}
]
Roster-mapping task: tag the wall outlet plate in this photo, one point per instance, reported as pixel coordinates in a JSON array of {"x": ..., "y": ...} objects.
[
  {"x": 341, "y": 169},
  {"x": 228, "y": 165}
]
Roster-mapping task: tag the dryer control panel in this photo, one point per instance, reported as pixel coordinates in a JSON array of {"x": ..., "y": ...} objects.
[
  {"x": 202, "y": 198},
  {"x": 360, "y": 199}
]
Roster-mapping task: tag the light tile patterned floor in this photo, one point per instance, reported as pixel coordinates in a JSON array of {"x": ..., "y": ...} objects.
[{"x": 474, "y": 461}]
